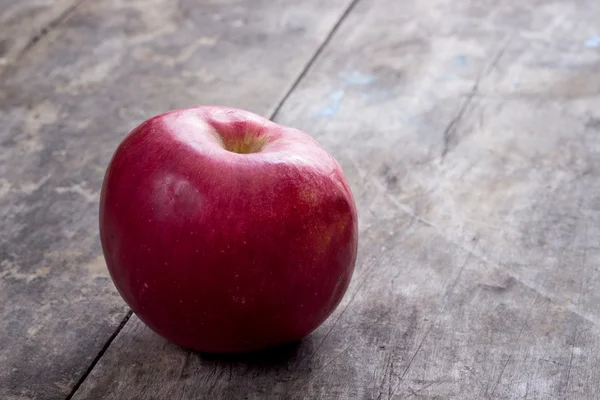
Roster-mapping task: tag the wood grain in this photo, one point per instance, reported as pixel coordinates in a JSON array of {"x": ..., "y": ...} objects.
[
  {"x": 65, "y": 105},
  {"x": 469, "y": 133},
  {"x": 24, "y": 23}
]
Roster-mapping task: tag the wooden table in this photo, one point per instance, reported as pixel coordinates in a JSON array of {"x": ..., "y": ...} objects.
[{"x": 468, "y": 129}]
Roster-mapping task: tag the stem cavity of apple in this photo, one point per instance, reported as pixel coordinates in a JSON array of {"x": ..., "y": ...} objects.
[{"x": 246, "y": 145}]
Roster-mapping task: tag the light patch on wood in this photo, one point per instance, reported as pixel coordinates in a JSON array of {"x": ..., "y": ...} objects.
[
  {"x": 5, "y": 187},
  {"x": 42, "y": 317},
  {"x": 42, "y": 114},
  {"x": 42, "y": 272},
  {"x": 187, "y": 52},
  {"x": 11, "y": 270},
  {"x": 152, "y": 35},
  {"x": 97, "y": 266},
  {"x": 64, "y": 385},
  {"x": 33, "y": 330},
  {"x": 96, "y": 73},
  {"x": 64, "y": 258},
  {"x": 30, "y": 187},
  {"x": 79, "y": 189},
  {"x": 150, "y": 56}
]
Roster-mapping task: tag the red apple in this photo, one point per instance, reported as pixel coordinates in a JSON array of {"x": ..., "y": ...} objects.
[{"x": 226, "y": 232}]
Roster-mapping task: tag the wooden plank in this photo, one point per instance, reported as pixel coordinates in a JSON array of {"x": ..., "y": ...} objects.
[
  {"x": 24, "y": 23},
  {"x": 103, "y": 70},
  {"x": 469, "y": 133}
]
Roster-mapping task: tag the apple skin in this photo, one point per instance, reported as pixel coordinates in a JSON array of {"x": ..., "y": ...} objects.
[{"x": 224, "y": 252}]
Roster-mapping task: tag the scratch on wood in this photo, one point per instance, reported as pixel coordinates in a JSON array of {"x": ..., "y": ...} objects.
[
  {"x": 358, "y": 289},
  {"x": 540, "y": 290},
  {"x": 510, "y": 356},
  {"x": 391, "y": 372},
  {"x": 382, "y": 189},
  {"x": 48, "y": 28},
  {"x": 185, "y": 364},
  {"x": 581, "y": 286},
  {"x": 320, "y": 371},
  {"x": 452, "y": 125},
  {"x": 537, "y": 296},
  {"x": 507, "y": 40},
  {"x": 450, "y": 130},
  {"x": 438, "y": 313},
  {"x": 215, "y": 378},
  {"x": 416, "y": 392},
  {"x": 571, "y": 359},
  {"x": 182, "y": 397}
]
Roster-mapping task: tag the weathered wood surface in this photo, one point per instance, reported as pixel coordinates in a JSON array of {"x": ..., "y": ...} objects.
[
  {"x": 65, "y": 103},
  {"x": 24, "y": 23},
  {"x": 469, "y": 131}
]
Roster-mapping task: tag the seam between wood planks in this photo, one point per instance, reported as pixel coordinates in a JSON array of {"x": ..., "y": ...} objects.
[
  {"x": 99, "y": 355},
  {"x": 314, "y": 58}
]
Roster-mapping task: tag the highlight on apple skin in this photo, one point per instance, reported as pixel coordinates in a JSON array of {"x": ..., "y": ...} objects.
[{"x": 226, "y": 232}]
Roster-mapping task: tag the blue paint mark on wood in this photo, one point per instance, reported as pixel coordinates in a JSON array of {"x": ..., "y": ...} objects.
[
  {"x": 378, "y": 96},
  {"x": 334, "y": 104},
  {"x": 447, "y": 77},
  {"x": 460, "y": 60},
  {"x": 592, "y": 42},
  {"x": 356, "y": 78}
]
